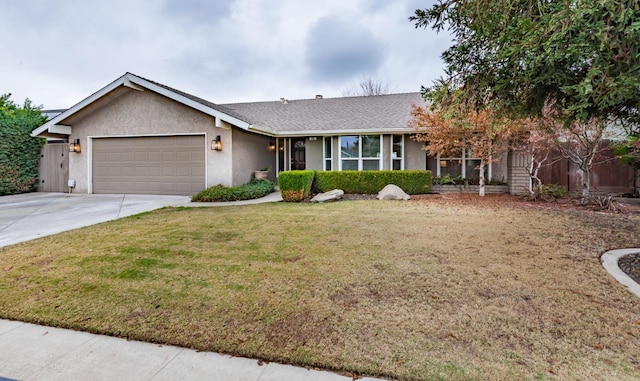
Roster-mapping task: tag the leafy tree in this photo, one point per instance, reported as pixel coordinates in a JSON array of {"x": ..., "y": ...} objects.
[
  {"x": 19, "y": 152},
  {"x": 518, "y": 56},
  {"x": 484, "y": 133},
  {"x": 367, "y": 87},
  {"x": 580, "y": 142},
  {"x": 573, "y": 61}
]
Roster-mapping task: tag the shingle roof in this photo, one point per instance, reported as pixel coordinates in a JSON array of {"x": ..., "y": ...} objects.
[
  {"x": 380, "y": 113},
  {"x": 386, "y": 113}
]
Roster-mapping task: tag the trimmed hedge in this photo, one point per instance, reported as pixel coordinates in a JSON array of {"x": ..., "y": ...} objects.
[
  {"x": 371, "y": 182},
  {"x": 19, "y": 152},
  {"x": 251, "y": 190},
  {"x": 295, "y": 185}
]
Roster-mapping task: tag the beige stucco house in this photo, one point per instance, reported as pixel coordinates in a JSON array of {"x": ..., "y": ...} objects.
[{"x": 139, "y": 136}]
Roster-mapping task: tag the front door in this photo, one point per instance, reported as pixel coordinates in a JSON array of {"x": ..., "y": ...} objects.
[{"x": 298, "y": 158}]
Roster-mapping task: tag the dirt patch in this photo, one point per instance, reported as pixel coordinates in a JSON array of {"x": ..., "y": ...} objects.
[{"x": 630, "y": 264}]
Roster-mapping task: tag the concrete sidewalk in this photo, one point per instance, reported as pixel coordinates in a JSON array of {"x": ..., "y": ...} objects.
[{"x": 31, "y": 353}]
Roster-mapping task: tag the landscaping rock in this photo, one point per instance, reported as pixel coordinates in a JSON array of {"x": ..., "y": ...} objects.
[
  {"x": 392, "y": 192},
  {"x": 335, "y": 194}
]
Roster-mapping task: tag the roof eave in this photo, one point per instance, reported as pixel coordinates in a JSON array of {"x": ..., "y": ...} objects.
[
  {"x": 134, "y": 82},
  {"x": 369, "y": 131}
]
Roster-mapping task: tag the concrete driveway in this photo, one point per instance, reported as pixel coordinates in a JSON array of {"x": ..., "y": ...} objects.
[{"x": 32, "y": 215}]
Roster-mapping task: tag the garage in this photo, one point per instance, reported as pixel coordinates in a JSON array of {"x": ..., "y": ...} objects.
[{"x": 169, "y": 165}]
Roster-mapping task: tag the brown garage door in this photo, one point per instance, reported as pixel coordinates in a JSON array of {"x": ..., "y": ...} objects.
[{"x": 172, "y": 165}]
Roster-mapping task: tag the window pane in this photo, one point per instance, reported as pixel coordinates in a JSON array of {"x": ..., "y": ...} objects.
[
  {"x": 452, "y": 168},
  {"x": 397, "y": 146},
  {"x": 473, "y": 169},
  {"x": 370, "y": 165},
  {"x": 350, "y": 165},
  {"x": 349, "y": 146},
  {"x": 371, "y": 146},
  {"x": 397, "y": 165},
  {"x": 327, "y": 165},
  {"x": 327, "y": 147}
]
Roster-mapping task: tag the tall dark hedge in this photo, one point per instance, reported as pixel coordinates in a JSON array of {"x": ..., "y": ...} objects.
[{"x": 19, "y": 152}]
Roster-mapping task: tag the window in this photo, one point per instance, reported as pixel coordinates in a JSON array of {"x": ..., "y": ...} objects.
[
  {"x": 328, "y": 153},
  {"x": 397, "y": 152},
  {"x": 452, "y": 165},
  {"x": 360, "y": 152}
]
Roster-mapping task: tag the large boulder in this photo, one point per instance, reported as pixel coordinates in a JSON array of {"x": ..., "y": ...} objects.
[
  {"x": 392, "y": 192},
  {"x": 335, "y": 194}
]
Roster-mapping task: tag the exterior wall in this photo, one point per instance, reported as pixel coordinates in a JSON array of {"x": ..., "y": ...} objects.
[
  {"x": 314, "y": 155},
  {"x": 499, "y": 168},
  {"x": 250, "y": 153},
  {"x": 415, "y": 156},
  {"x": 145, "y": 113}
]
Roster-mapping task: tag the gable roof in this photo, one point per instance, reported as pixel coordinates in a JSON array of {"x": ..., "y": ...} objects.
[
  {"x": 324, "y": 116},
  {"x": 59, "y": 125},
  {"x": 350, "y": 115}
]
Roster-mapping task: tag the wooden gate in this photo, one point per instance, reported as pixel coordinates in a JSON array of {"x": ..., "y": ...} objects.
[{"x": 53, "y": 168}]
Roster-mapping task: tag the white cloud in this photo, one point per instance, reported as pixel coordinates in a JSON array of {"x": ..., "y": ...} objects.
[{"x": 224, "y": 51}]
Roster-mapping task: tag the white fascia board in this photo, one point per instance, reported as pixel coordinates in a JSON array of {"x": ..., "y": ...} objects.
[
  {"x": 131, "y": 81},
  {"x": 370, "y": 131},
  {"x": 258, "y": 130},
  {"x": 79, "y": 106},
  {"x": 60, "y": 129},
  {"x": 188, "y": 102}
]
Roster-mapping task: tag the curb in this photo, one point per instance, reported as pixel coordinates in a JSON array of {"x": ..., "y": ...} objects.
[{"x": 610, "y": 262}]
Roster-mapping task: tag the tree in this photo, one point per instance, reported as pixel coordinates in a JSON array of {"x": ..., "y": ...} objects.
[
  {"x": 19, "y": 152},
  {"x": 518, "y": 56},
  {"x": 484, "y": 133},
  {"x": 579, "y": 58},
  {"x": 367, "y": 86}
]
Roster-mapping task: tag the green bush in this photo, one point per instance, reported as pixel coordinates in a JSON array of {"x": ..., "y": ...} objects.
[
  {"x": 371, "y": 182},
  {"x": 19, "y": 152},
  {"x": 554, "y": 191},
  {"x": 251, "y": 190},
  {"x": 295, "y": 185}
]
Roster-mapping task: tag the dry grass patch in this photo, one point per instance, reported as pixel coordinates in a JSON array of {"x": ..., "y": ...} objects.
[{"x": 420, "y": 290}]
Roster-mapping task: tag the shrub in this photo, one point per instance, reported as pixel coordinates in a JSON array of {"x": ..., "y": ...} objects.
[
  {"x": 371, "y": 182},
  {"x": 19, "y": 152},
  {"x": 549, "y": 192},
  {"x": 295, "y": 185},
  {"x": 255, "y": 188}
]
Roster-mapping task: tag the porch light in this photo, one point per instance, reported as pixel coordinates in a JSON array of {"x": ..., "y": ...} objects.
[
  {"x": 75, "y": 146},
  {"x": 272, "y": 146},
  {"x": 216, "y": 144}
]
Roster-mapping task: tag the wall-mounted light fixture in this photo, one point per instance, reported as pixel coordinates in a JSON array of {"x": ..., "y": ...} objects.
[
  {"x": 443, "y": 163},
  {"x": 216, "y": 144},
  {"x": 272, "y": 146},
  {"x": 75, "y": 146}
]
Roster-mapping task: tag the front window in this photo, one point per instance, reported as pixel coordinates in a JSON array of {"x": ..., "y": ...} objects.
[
  {"x": 460, "y": 164},
  {"x": 360, "y": 152},
  {"x": 328, "y": 153},
  {"x": 397, "y": 152}
]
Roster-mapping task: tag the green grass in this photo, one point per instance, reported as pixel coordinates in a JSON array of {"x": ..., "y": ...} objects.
[{"x": 417, "y": 290}]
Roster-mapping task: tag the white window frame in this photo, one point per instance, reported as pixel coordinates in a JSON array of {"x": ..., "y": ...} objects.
[
  {"x": 326, "y": 159},
  {"x": 402, "y": 153},
  {"x": 361, "y": 159},
  {"x": 463, "y": 163}
]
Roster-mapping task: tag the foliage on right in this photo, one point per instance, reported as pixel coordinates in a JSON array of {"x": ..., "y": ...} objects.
[{"x": 576, "y": 62}]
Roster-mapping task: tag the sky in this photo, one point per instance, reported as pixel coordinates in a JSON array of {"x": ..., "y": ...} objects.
[{"x": 56, "y": 53}]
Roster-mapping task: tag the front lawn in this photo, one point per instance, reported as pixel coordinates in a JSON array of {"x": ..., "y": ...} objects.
[{"x": 418, "y": 290}]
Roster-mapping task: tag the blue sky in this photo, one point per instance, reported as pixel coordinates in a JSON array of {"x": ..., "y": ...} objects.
[{"x": 58, "y": 52}]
